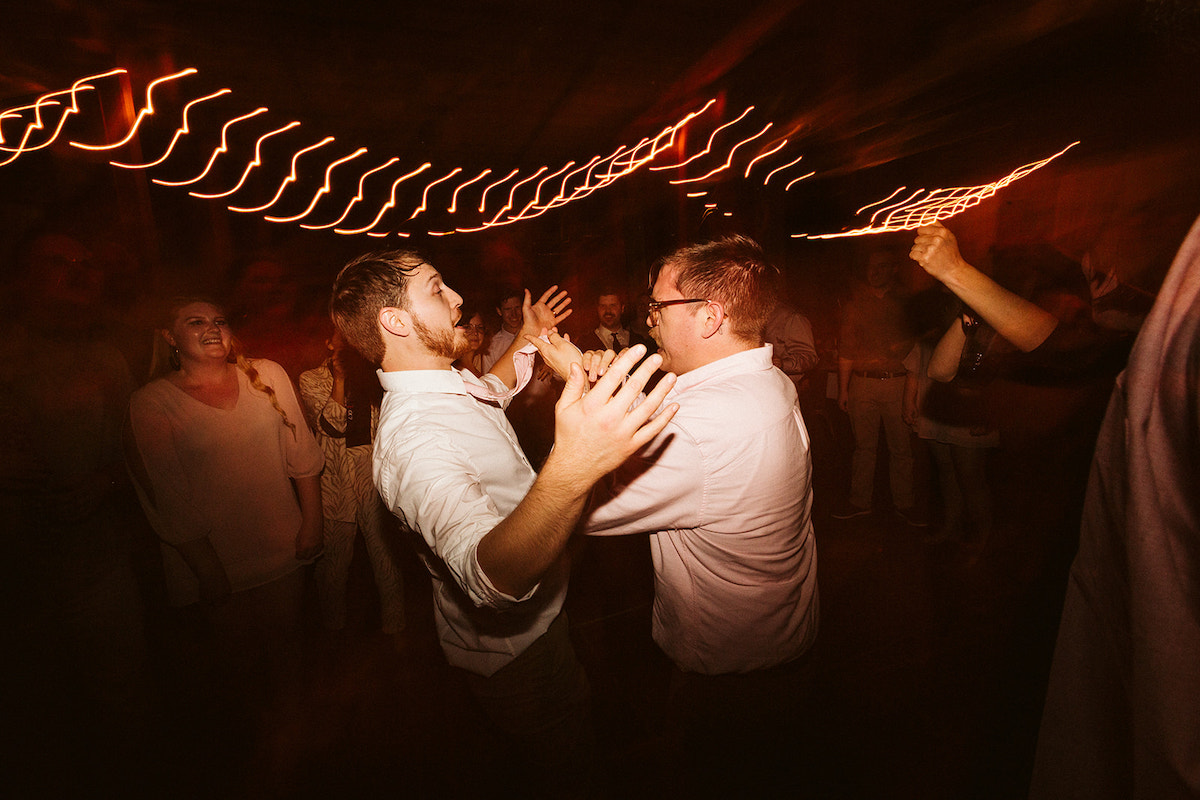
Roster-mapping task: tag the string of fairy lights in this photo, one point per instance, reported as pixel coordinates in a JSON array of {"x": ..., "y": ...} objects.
[{"x": 513, "y": 198}]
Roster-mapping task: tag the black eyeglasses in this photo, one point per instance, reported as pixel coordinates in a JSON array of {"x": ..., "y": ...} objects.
[{"x": 654, "y": 306}]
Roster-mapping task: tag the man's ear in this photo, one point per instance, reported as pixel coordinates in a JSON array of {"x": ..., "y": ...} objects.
[
  {"x": 713, "y": 318},
  {"x": 396, "y": 321}
]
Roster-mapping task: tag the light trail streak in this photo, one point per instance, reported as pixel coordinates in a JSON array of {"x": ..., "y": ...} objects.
[
  {"x": 797, "y": 180},
  {"x": 780, "y": 169},
  {"x": 254, "y": 164},
  {"x": 573, "y": 182},
  {"x": 728, "y": 160},
  {"x": 453, "y": 208},
  {"x": 324, "y": 190},
  {"x": 707, "y": 147},
  {"x": 537, "y": 193},
  {"x": 425, "y": 194},
  {"x": 938, "y": 205},
  {"x": 513, "y": 192},
  {"x": 483, "y": 197},
  {"x": 183, "y": 130},
  {"x": 391, "y": 203},
  {"x": 223, "y": 148},
  {"x": 146, "y": 111},
  {"x": 36, "y": 125},
  {"x": 45, "y": 100},
  {"x": 898, "y": 204},
  {"x": 290, "y": 179},
  {"x": 880, "y": 202},
  {"x": 362, "y": 182},
  {"x": 761, "y": 156}
]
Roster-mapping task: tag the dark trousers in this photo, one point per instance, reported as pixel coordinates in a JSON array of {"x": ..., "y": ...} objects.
[
  {"x": 743, "y": 734},
  {"x": 539, "y": 708}
]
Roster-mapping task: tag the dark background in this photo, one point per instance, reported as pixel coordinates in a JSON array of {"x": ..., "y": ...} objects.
[{"x": 873, "y": 94}]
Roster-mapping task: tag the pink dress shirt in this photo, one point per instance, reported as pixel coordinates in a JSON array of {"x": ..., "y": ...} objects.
[{"x": 725, "y": 493}]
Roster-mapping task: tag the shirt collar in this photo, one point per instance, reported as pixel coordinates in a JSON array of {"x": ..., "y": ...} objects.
[
  {"x": 417, "y": 381},
  {"x": 757, "y": 359}
]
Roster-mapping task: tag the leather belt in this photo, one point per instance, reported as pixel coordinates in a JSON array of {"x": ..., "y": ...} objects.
[{"x": 878, "y": 374}]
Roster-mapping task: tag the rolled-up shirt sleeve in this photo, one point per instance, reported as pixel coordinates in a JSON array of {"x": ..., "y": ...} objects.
[{"x": 433, "y": 485}]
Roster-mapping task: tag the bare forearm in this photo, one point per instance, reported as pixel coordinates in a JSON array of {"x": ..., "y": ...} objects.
[
  {"x": 517, "y": 553},
  {"x": 1015, "y": 318},
  {"x": 310, "y": 537},
  {"x": 844, "y": 367},
  {"x": 943, "y": 364}
]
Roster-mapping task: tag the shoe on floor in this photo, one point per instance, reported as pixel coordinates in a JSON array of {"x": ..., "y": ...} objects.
[
  {"x": 849, "y": 511},
  {"x": 912, "y": 517}
]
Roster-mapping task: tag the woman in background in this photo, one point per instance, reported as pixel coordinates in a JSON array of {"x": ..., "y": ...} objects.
[
  {"x": 341, "y": 403},
  {"x": 229, "y": 477},
  {"x": 472, "y": 322}
]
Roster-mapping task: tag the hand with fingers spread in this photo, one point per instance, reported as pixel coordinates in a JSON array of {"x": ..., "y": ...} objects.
[
  {"x": 595, "y": 430},
  {"x": 546, "y": 313}
]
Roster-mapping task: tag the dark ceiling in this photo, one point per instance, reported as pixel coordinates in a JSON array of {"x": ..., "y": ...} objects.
[{"x": 873, "y": 93}]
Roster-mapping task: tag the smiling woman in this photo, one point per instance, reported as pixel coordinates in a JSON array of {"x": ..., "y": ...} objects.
[{"x": 228, "y": 475}]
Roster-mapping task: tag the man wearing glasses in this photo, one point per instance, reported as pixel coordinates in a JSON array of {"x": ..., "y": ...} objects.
[{"x": 724, "y": 492}]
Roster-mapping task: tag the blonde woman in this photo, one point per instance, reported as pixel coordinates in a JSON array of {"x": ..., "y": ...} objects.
[{"x": 229, "y": 476}]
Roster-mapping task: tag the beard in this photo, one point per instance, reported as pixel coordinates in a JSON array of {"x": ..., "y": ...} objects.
[{"x": 444, "y": 344}]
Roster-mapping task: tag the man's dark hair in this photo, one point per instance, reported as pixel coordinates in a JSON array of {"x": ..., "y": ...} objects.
[
  {"x": 733, "y": 271},
  {"x": 363, "y": 288}
]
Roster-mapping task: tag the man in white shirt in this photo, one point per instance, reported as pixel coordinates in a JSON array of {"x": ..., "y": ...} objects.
[
  {"x": 447, "y": 462},
  {"x": 725, "y": 494},
  {"x": 511, "y": 321}
]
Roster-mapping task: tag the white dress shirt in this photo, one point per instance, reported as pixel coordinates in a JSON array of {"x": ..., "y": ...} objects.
[
  {"x": 450, "y": 466},
  {"x": 725, "y": 491}
]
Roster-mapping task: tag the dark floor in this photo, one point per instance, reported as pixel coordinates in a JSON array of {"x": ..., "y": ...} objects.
[{"x": 931, "y": 663}]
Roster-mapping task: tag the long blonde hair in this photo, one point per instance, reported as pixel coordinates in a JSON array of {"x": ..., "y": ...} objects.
[{"x": 165, "y": 358}]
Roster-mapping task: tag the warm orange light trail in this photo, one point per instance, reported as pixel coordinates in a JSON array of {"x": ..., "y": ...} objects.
[
  {"x": 36, "y": 125},
  {"x": 513, "y": 192},
  {"x": 780, "y": 169},
  {"x": 182, "y": 130},
  {"x": 324, "y": 190},
  {"x": 761, "y": 156},
  {"x": 453, "y": 207},
  {"x": 223, "y": 148},
  {"x": 290, "y": 179},
  {"x": 83, "y": 84},
  {"x": 425, "y": 194},
  {"x": 537, "y": 193},
  {"x": 880, "y": 202},
  {"x": 146, "y": 111},
  {"x": 254, "y": 164},
  {"x": 938, "y": 205},
  {"x": 794, "y": 181},
  {"x": 728, "y": 161},
  {"x": 597, "y": 173},
  {"x": 707, "y": 147},
  {"x": 358, "y": 198},
  {"x": 391, "y": 203}
]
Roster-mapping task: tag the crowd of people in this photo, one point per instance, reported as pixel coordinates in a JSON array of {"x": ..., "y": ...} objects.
[{"x": 488, "y": 440}]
